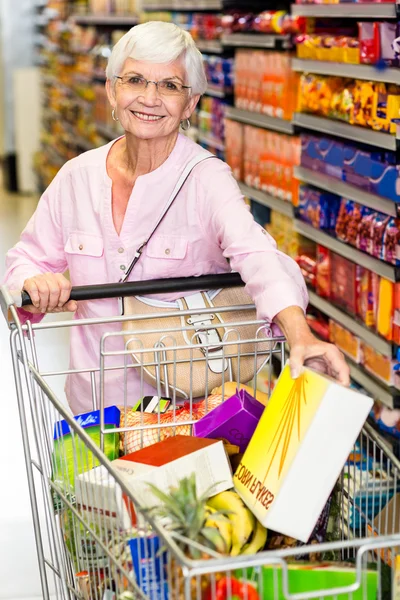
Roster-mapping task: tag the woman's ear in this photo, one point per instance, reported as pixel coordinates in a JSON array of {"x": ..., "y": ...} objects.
[
  {"x": 191, "y": 105},
  {"x": 110, "y": 89}
]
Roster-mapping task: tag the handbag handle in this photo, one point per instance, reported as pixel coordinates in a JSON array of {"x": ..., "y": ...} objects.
[
  {"x": 181, "y": 182},
  {"x": 145, "y": 288}
]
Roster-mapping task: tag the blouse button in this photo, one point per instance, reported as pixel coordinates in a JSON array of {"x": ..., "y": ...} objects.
[
  {"x": 80, "y": 247},
  {"x": 121, "y": 250},
  {"x": 122, "y": 267},
  {"x": 167, "y": 251}
]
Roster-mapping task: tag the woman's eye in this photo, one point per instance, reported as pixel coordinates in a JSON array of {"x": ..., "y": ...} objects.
[
  {"x": 135, "y": 80},
  {"x": 171, "y": 86}
]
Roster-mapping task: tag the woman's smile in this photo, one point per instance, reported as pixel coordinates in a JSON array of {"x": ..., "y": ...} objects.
[{"x": 146, "y": 117}]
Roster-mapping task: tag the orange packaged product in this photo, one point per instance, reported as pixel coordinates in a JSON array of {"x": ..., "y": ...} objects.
[
  {"x": 348, "y": 343},
  {"x": 379, "y": 365},
  {"x": 247, "y": 153},
  {"x": 384, "y": 319},
  {"x": 365, "y": 309},
  {"x": 234, "y": 147},
  {"x": 396, "y": 314}
]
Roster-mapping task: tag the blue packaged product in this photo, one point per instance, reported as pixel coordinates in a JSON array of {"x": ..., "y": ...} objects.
[
  {"x": 150, "y": 566},
  {"x": 70, "y": 455}
]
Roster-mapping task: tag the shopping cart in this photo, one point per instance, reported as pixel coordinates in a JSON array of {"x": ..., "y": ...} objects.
[{"x": 92, "y": 550}]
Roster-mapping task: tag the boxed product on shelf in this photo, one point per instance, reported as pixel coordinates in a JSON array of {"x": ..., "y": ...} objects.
[
  {"x": 323, "y": 272},
  {"x": 308, "y": 266},
  {"x": 268, "y": 160},
  {"x": 364, "y": 103},
  {"x": 234, "y": 147},
  {"x": 344, "y": 282},
  {"x": 328, "y": 47},
  {"x": 366, "y": 309},
  {"x": 347, "y": 342},
  {"x": 265, "y": 82},
  {"x": 318, "y": 208},
  {"x": 381, "y": 366},
  {"x": 289, "y": 241},
  {"x": 268, "y": 21},
  {"x": 220, "y": 72},
  {"x": 384, "y": 317},
  {"x": 372, "y": 170},
  {"x": 212, "y": 118}
]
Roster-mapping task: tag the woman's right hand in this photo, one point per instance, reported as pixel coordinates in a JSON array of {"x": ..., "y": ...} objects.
[{"x": 49, "y": 292}]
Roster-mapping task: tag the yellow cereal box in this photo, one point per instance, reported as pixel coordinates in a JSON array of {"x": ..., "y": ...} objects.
[{"x": 298, "y": 450}]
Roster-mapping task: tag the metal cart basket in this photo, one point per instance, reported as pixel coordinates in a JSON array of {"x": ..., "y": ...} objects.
[{"x": 110, "y": 547}]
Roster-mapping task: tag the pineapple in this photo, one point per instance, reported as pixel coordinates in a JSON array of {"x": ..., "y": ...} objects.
[{"x": 188, "y": 515}]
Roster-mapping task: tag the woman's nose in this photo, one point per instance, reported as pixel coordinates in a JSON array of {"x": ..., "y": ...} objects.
[{"x": 150, "y": 94}]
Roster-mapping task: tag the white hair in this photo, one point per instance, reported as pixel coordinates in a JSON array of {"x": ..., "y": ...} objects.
[{"x": 159, "y": 42}]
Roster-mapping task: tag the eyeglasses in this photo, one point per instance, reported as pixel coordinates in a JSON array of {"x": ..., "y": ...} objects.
[{"x": 165, "y": 87}]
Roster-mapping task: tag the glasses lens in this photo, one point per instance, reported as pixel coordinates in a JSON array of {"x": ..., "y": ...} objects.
[
  {"x": 170, "y": 88},
  {"x": 135, "y": 83}
]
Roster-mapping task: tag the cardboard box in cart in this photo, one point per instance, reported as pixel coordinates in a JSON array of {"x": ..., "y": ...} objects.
[
  {"x": 298, "y": 451},
  {"x": 163, "y": 464}
]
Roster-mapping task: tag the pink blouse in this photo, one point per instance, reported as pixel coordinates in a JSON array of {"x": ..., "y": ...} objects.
[{"x": 208, "y": 224}]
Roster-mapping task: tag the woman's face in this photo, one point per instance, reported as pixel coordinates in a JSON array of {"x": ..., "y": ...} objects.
[{"x": 150, "y": 113}]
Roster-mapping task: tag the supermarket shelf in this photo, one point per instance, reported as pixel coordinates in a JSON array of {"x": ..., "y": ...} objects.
[
  {"x": 370, "y": 73},
  {"x": 346, "y": 11},
  {"x": 388, "y": 395},
  {"x": 259, "y": 120},
  {"x": 257, "y": 40},
  {"x": 105, "y": 19},
  {"x": 341, "y": 188},
  {"x": 281, "y": 206},
  {"x": 185, "y": 5},
  {"x": 211, "y": 141},
  {"x": 364, "y": 260},
  {"x": 216, "y": 91},
  {"x": 346, "y": 131},
  {"x": 364, "y": 333},
  {"x": 210, "y": 46}
]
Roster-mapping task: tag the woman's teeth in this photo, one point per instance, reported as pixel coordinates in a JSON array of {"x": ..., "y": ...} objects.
[{"x": 144, "y": 117}]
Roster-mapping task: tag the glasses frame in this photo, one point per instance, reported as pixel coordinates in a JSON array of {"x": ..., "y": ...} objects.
[{"x": 185, "y": 87}]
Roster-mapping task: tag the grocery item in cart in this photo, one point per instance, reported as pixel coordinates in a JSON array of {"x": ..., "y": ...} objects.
[
  {"x": 298, "y": 450},
  {"x": 137, "y": 438},
  {"x": 163, "y": 465},
  {"x": 234, "y": 420},
  {"x": 69, "y": 448},
  {"x": 315, "y": 577},
  {"x": 150, "y": 566}
]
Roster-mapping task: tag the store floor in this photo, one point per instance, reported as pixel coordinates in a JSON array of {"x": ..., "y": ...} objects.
[{"x": 18, "y": 564}]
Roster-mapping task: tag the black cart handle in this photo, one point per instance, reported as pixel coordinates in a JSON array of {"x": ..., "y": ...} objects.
[{"x": 145, "y": 288}]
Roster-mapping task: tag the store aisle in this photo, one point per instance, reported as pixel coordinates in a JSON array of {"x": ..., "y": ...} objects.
[{"x": 18, "y": 563}]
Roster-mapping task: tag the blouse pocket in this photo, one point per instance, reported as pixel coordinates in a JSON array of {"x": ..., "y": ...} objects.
[
  {"x": 84, "y": 252},
  {"x": 165, "y": 254}
]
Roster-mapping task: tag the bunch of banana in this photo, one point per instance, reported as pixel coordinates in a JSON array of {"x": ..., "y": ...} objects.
[{"x": 240, "y": 530}]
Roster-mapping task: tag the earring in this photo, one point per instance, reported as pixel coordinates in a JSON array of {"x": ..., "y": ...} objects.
[
  {"x": 113, "y": 115},
  {"x": 186, "y": 125}
]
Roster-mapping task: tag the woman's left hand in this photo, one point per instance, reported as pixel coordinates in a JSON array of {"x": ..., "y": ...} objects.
[
  {"x": 320, "y": 356},
  {"x": 307, "y": 350}
]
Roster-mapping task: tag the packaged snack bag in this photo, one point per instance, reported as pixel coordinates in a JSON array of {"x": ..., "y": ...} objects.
[
  {"x": 365, "y": 231},
  {"x": 378, "y": 229},
  {"x": 323, "y": 268},
  {"x": 391, "y": 242}
]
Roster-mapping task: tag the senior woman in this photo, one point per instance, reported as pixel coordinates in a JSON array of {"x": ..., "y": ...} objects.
[{"x": 103, "y": 204}]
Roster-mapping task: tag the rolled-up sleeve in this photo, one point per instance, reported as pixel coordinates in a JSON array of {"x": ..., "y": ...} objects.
[
  {"x": 273, "y": 279},
  {"x": 40, "y": 248}
]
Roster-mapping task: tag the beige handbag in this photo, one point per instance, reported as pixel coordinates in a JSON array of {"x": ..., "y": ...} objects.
[{"x": 195, "y": 371}]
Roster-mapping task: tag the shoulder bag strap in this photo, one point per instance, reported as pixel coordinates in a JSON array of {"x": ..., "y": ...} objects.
[{"x": 181, "y": 182}]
